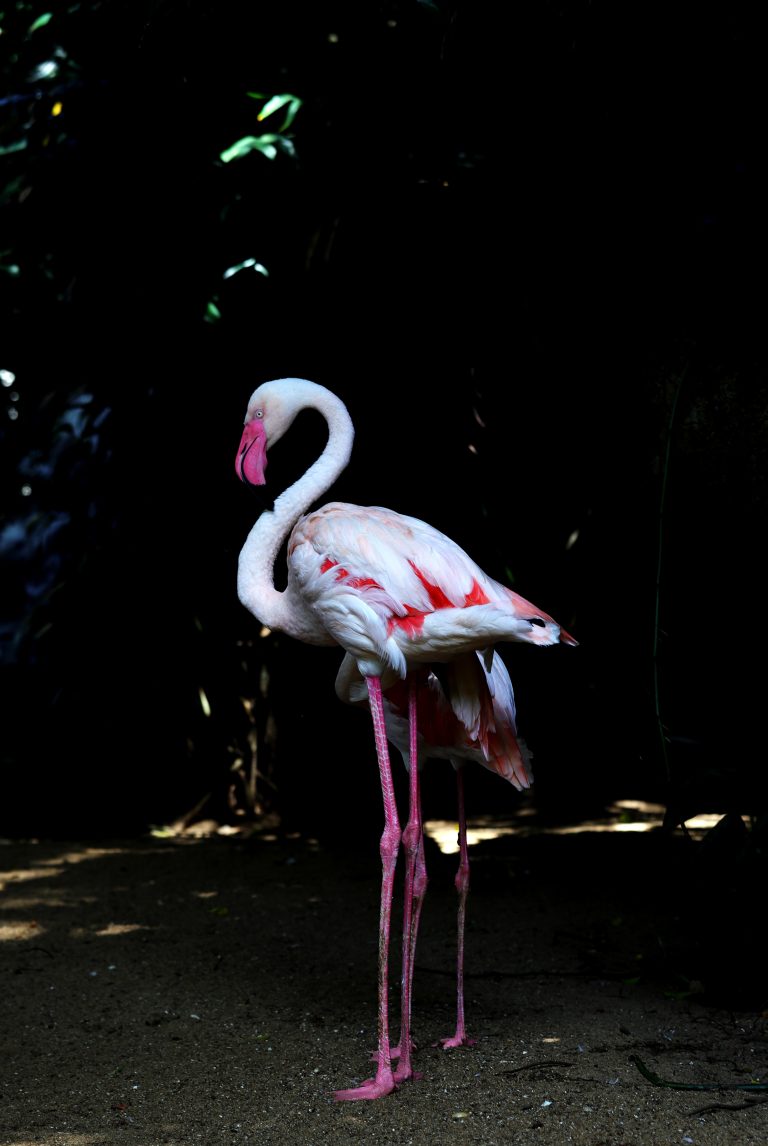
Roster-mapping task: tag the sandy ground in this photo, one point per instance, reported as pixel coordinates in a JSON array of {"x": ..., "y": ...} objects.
[{"x": 216, "y": 990}]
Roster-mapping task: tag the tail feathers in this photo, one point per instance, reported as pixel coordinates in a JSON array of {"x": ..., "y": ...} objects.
[
  {"x": 465, "y": 711},
  {"x": 504, "y": 752},
  {"x": 483, "y": 699},
  {"x": 469, "y": 696},
  {"x": 510, "y": 758}
]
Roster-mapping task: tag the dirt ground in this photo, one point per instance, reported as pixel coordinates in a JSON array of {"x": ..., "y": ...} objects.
[{"x": 216, "y": 990}]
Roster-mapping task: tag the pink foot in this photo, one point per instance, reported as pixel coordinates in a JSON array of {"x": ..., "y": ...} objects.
[
  {"x": 455, "y": 1041},
  {"x": 371, "y": 1088}
]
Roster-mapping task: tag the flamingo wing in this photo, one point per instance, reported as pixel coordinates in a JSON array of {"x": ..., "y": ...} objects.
[{"x": 393, "y": 590}]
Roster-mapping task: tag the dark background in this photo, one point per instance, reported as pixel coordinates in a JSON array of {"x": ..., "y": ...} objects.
[{"x": 537, "y": 229}]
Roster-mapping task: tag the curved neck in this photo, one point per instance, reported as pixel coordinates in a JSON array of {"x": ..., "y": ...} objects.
[{"x": 284, "y": 611}]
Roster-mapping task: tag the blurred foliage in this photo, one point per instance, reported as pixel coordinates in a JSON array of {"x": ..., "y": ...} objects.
[
  {"x": 501, "y": 246},
  {"x": 52, "y": 431},
  {"x": 125, "y": 235},
  {"x": 104, "y": 659}
]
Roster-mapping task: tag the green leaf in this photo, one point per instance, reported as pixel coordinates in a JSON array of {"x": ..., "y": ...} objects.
[
  {"x": 247, "y": 144},
  {"x": 246, "y": 264},
  {"x": 40, "y": 22},
  {"x": 212, "y": 312},
  {"x": 268, "y": 145},
  {"x": 276, "y": 103},
  {"x": 20, "y": 145}
]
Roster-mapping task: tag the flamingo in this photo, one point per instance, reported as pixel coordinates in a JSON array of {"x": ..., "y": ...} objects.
[{"x": 395, "y": 593}]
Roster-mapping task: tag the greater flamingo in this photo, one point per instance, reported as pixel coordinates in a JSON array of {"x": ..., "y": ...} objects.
[{"x": 396, "y": 594}]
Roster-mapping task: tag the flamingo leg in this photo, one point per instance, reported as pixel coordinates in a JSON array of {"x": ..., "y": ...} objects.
[
  {"x": 462, "y": 887},
  {"x": 384, "y": 1082},
  {"x": 415, "y": 887}
]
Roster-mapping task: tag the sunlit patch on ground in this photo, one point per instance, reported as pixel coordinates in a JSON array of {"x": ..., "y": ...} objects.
[
  {"x": 622, "y": 816},
  {"x": 78, "y": 855},
  {"x": 47, "y": 867},
  {"x": 23, "y": 929},
  {"x": 122, "y": 928},
  {"x": 32, "y": 902},
  {"x": 23, "y": 874}
]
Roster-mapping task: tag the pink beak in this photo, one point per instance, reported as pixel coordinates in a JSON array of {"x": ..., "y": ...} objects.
[
  {"x": 567, "y": 639},
  {"x": 251, "y": 460}
]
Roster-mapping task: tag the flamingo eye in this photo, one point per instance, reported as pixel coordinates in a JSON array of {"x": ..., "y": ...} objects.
[
  {"x": 538, "y": 621},
  {"x": 258, "y": 413}
]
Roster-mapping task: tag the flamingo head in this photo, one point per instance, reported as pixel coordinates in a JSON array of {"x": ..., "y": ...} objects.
[
  {"x": 251, "y": 460},
  {"x": 536, "y": 626},
  {"x": 271, "y": 410}
]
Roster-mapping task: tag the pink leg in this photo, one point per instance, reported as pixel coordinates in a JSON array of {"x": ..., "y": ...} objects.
[
  {"x": 384, "y": 1082},
  {"x": 462, "y": 886},
  {"x": 415, "y": 887}
]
